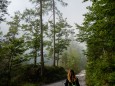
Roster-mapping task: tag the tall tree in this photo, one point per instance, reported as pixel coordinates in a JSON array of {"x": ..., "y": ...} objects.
[
  {"x": 12, "y": 48},
  {"x": 41, "y": 26},
  {"x": 31, "y": 31},
  {"x": 61, "y": 40},
  {"x": 62, "y": 37},
  {"x": 54, "y": 12},
  {"x": 47, "y": 7},
  {"x": 54, "y": 31}
]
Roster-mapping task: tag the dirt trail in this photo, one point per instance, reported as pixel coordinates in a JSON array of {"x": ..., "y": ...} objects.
[{"x": 81, "y": 77}]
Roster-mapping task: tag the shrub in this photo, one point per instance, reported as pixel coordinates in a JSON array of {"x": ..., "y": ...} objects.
[
  {"x": 53, "y": 74},
  {"x": 29, "y": 75}
]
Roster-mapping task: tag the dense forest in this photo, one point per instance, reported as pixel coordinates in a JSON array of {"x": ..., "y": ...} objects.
[
  {"x": 98, "y": 31},
  {"x": 40, "y": 45},
  {"x": 30, "y": 44}
]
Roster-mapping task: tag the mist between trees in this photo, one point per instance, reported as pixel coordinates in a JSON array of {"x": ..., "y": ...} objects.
[
  {"x": 55, "y": 36},
  {"x": 31, "y": 44}
]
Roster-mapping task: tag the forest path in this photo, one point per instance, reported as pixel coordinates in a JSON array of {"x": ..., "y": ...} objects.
[{"x": 80, "y": 76}]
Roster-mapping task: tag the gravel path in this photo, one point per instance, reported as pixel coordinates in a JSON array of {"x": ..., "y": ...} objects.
[{"x": 81, "y": 77}]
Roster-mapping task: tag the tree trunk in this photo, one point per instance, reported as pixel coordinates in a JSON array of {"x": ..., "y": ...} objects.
[
  {"x": 35, "y": 58},
  {"x": 58, "y": 59},
  {"x": 9, "y": 71},
  {"x": 54, "y": 30},
  {"x": 41, "y": 26}
]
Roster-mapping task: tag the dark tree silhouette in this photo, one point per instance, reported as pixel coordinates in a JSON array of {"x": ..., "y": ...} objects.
[{"x": 3, "y": 9}]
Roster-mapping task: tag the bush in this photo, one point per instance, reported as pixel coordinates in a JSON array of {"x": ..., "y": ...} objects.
[
  {"x": 29, "y": 75},
  {"x": 101, "y": 72},
  {"x": 53, "y": 74}
]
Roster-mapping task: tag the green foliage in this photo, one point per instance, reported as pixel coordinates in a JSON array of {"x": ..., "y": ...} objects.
[
  {"x": 61, "y": 38},
  {"x": 53, "y": 74},
  {"x": 32, "y": 74},
  {"x": 102, "y": 71},
  {"x": 29, "y": 84},
  {"x": 31, "y": 32},
  {"x": 29, "y": 75},
  {"x": 98, "y": 32},
  {"x": 3, "y": 9},
  {"x": 12, "y": 52},
  {"x": 73, "y": 58}
]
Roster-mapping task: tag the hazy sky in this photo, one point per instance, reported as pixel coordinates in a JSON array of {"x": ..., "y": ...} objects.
[{"x": 73, "y": 12}]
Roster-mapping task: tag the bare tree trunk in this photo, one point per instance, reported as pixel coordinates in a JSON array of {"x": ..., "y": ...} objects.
[
  {"x": 54, "y": 30},
  {"x": 42, "y": 58}
]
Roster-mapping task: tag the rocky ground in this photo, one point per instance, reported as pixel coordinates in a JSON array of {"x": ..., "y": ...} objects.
[{"x": 81, "y": 77}]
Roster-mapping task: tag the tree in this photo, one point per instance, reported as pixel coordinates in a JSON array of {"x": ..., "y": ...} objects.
[
  {"x": 3, "y": 9},
  {"x": 41, "y": 26},
  {"x": 42, "y": 9},
  {"x": 97, "y": 29},
  {"x": 48, "y": 5},
  {"x": 0, "y": 38},
  {"x": 61, "y": 38},
  {"x": 12, "y": 50},
  {"x": 54, "y": 31},
  {"x": 54, "y": 8},
  {"x": 31, "y": 31},
  {"x": 73, "y": 57},
  {"x": 41, "y": 37}
]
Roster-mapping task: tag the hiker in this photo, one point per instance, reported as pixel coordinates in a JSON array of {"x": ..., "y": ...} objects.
[{"x": 71, "y": 80}]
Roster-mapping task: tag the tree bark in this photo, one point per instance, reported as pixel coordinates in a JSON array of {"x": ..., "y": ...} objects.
[
  {"x": 54, "y": 31},
  {"x": 41, "y": 26},
  {"x": 35, "y": 58}
]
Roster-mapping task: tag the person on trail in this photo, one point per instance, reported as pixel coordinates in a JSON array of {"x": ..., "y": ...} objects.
[{"x": 71, "y": 80}]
